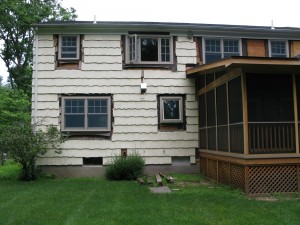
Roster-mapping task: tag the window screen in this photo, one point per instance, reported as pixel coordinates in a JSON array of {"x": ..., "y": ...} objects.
[{"x": 235, "y": 100}]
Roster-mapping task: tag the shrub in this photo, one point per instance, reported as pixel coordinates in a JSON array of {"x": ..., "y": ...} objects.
[
  {"x": 125, "y": 168},
  {"x": 10, "y": 170}
]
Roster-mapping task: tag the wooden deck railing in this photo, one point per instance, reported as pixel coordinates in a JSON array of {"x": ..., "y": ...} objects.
[{"x": 271, "y": 138}]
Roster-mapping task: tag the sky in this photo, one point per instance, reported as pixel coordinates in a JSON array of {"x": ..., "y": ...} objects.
[{"x": 237, "y": 12}]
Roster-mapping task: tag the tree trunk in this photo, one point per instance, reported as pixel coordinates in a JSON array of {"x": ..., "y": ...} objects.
[{"x": 28, "y": 170}]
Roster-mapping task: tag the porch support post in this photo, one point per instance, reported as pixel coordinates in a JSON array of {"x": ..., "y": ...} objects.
[
  {"x": 245, "y": 114},
  {"x": 296, "y": 114}
]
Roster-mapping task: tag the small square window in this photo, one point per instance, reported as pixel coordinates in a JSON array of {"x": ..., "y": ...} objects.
[
  {"x": 68, "y": 47},
  {"x": 278, "y": 49},
  {"x": 171, "y": 110}
]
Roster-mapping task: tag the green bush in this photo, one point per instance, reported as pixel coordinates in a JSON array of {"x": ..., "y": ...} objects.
[
  {"x": 125, "y": 168},
  {"x": 10, "y": 170}
]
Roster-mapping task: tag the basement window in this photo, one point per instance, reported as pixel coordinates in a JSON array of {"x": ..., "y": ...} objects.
[{"x": 93, "y": 161}]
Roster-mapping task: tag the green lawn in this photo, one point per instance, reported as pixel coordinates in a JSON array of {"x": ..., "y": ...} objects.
[{"x": 97, "y": 201}]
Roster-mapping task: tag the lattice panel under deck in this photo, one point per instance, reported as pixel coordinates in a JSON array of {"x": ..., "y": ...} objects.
[
  {"x": 212, "y": 169},
  {"x": 268, "y": 179},
  {"x": 224, "y": 172},
  {"x": 237, "y": 178}
]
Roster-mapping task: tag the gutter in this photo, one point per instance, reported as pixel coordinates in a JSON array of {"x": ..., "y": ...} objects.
[{"x": 36, "y": 78}]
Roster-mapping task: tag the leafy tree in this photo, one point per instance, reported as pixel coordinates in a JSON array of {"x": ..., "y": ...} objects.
[
  {"x": 14, "y": 108},
  {"x": 16, "y": 19},
  {"x": 23, "y": 143}
]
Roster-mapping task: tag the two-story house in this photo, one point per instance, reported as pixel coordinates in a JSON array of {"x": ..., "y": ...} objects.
[{"x": 169, "y": 91}]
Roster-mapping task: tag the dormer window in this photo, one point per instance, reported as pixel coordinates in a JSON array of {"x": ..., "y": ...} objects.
[
  {"x": 278, "y": 48},
  {"x": 68, "y": 47},
  {"x": 149, "y": 49}
]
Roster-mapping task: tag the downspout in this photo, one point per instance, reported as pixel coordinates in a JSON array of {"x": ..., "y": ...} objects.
[{"x": 36, "y": 77}]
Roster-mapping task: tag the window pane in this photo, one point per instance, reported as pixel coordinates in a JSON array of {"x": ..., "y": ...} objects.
[
  {"x": 212, "y": 50},
  {"x": 278, "y": 49},
  {"x": 132, "y": 48},
  {"x": 98, "y": 120},
  {"x": 69, "y": 47},
  {"x": 74, "y": 106},
  {"x": 171, "y": 109},
  {"x": 231, "y": 47},
  {"x": 211, "y": 113},
  {"x": 149, "y": 49},
  {"x": 165, "y": 50},
  {"x": 74, "y": 121},
  {"x": 235, "y": 100},
  {"x": 212, "y": 57}
]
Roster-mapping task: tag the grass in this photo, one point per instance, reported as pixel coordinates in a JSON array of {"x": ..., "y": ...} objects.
[{"x": 98, "y": 201}]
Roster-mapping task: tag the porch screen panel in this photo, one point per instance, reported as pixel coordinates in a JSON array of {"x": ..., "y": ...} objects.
[
  {"x": 236, "y": 115},
  {"x": 202, "y": 111},
  {"x": 270, "y": 98},
  {"x": 235, "y": 101},
  {"x": 222, "y": 118},
  {"x": 270, "y": 113},
  {"x": 202, "y": 122},
  {"x": 211, "y": 112}
]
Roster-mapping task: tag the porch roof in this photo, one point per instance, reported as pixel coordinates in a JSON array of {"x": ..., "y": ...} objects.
[{"x": 250, "y": 65}]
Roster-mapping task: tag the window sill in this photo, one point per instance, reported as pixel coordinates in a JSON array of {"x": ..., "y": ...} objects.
[{"x": 159, "y": 66}]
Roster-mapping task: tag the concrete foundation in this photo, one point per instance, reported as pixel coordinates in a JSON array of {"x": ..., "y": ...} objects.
[{"x": 98, "y": 171}]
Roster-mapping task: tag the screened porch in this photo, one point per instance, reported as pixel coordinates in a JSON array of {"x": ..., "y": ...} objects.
[{"x": 248, "y": 120}]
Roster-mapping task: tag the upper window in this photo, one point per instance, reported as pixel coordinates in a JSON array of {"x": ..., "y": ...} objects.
[
  {"x": 149, "y": 49},
  {"x": 278, "y": 49},
  {"x": 216, "y": 49},
  {"x": 171, "y": 109},
  {"x": 86, "y": 113},
  {"x": 68, "y": 47}
]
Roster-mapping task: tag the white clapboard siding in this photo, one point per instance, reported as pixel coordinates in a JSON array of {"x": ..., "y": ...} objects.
[
  {"x": 103, "y": 59},
  {"x": 44, "y": 66},
  {"x": 102, "y": 37},
  {"x": 88, "y": 82},
  {"x": 170, "y": 136},
  {"x": 103, "y": 51},
  {"x": 59, "y": 161},
  {"x": 135, "y": 115},
  {"x": 135, "y": 121},
  {"x": 119, "y": 129},
  {"x": 110, "y": 153},
  {"x": 102, "y": 66},
  {"x": 79, "y": 74},
  {"x": 101, "y": 44},
  {"x": 132, "y": 113}
]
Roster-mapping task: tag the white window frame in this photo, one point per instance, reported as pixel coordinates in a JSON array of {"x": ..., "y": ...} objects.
[
  {"x": 277, "y": 40},
  {"x": 86, "y": 128},
  {"x": 221, "y": 45},
  {"x": 60, "y": 47},
  {"x": 136, "y": 38},
  {"x": 176, "y": 98}
]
